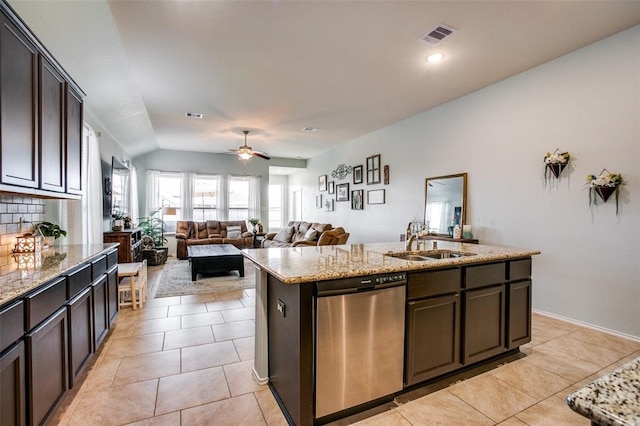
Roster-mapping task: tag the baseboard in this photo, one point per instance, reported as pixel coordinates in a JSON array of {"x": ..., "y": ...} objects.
[
  {"x": 260, "y": 380},
  {"x": 587, "y": 325}
]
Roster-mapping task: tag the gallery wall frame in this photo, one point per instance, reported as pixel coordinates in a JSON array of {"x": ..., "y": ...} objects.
[
  {"x": 373, "y": 169},
  {"x": 357, "y": 199},
  {"x": 322, "y": 183},
  {"x": 331, "y": 187},
  {"x": 376, "y": 196},
  {"x": 342, "y": 192},
  {"x": 357, "y": 174}
]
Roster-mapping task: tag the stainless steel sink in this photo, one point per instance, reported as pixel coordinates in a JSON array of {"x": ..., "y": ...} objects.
[{"x": 426, "y": 255}]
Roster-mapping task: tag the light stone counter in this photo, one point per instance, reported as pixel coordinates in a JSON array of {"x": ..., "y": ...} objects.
[
  {"x": 42, "y": 267},
  {"x": 307, "y": 264},
  {"x": 613, "y": 399}
]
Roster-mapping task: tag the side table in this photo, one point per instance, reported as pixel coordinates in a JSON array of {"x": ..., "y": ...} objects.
[{"x": 257, "y": 239}]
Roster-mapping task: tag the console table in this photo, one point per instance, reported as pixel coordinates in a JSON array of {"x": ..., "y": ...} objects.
[{"x": 130, "y": 249}]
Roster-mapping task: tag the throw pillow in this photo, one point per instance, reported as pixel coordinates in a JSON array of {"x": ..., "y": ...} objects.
[
  {"x": 234, "y": 231},
  {"x": 284, "y": 236},
  {"x": 310, "y": 235}
]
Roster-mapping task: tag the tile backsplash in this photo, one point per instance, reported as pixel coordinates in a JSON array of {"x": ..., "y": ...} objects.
[{"x": 12, "y": 209}]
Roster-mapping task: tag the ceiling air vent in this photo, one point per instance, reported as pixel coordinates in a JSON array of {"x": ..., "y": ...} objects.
[
  {"x": 198, "y": 115},
  {"x": 310, "y": 129},
  {"x": 436, "y": 35}
]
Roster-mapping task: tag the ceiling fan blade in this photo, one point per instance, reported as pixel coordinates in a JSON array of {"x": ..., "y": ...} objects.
[{"x": 261, "y": 155}]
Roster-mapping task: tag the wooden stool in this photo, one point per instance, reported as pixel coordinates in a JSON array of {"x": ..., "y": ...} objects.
[{"x": 131, "y": 271}]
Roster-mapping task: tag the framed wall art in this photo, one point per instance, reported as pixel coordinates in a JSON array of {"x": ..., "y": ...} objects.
[
  {"x": 357, "y": 202},
  {"x": 329, "y": 204},
  {"x": 322, "y": 183},
  {"x": 357, "y": 174},
  {"x": 331, "y": 188},
  {"x": 342, "y": 192},
  {"x": 386, "y": 174},
  {"x": 373, "y": 169},
  {"x": 376, "y": 196},
  {"x": 319, "y": 201}
]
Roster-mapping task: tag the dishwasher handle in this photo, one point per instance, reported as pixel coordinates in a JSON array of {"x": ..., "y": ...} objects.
[{"x": 362, "y": 287}]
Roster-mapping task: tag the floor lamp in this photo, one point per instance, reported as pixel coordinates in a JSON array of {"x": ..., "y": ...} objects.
[{"x": 169, "y": 211}]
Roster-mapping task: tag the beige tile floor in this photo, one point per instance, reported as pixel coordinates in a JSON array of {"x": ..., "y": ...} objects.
[{"x": 187, "y": 361}]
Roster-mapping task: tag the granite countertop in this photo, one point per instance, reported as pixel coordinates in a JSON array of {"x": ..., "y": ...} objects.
[
  {"x": 42, "y": 267},
  {"x": 302, "y": 264},
  {"x": 613, "y": 399}
]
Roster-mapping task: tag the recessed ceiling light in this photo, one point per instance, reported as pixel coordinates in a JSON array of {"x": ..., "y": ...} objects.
[
  {"x": 197, "y": 115},
  {"x": 435, "y": 57},
  {"x": 310, "y": 129}
]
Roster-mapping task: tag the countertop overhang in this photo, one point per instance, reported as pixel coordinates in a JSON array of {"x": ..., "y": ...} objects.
[
  {"x": 47, "y": 264},
  {"x": 296, "y": 265}
]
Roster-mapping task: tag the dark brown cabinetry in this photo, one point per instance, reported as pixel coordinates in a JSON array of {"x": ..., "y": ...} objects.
[
  {"x": 47, "y": 366},
  {"x": 130, "y": 249},
  {"x": 12, "y": 386},
  {"x": 41, "y": 116},
  {"x": 80, "y": 315},
  {"x": 433, "y": 325},
  {"x": 73, "y": 141},
  {"x": 518, "y": 303},
  {"x": 100, "y": 309},
  {"x": 18, "y": 107},
  {"x": 112, "y": 293},
  {"x": 51, "y": 129}
]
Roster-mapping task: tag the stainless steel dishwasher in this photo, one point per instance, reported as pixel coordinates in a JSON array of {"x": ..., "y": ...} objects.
[{"x": 359, "y": 345}]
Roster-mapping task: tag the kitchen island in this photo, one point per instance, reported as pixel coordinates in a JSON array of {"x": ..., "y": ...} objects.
[{"x": 456, "y": 312}]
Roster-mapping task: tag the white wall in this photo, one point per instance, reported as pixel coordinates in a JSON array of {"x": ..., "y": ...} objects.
[{"x": 587, "y": 103}]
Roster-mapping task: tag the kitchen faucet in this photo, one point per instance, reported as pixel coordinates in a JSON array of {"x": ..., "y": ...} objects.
[{"x": 409, "y": 238}]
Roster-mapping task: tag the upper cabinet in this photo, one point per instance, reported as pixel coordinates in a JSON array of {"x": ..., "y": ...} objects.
[{"x": 40, "y": 116}]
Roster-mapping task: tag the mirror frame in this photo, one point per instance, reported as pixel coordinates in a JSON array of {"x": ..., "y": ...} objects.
[{"x": 464, "y": 198}]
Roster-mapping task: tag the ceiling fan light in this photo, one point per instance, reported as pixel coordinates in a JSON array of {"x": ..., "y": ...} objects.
[{"x": 244, "y": 155}]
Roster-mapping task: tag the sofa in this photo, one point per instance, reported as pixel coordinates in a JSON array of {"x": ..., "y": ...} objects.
[
  {"x": 189, "y": 233},
  {"x": 298, "y": 233}
]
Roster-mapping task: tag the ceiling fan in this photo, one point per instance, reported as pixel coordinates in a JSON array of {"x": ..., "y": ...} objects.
[{"x": 245, "y": 152}]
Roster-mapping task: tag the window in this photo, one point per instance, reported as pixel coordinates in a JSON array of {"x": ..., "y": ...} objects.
[
  {"x": 169, "y": 196},
  {"x": 205, "y": 198},
  {"x": 275, "y": 207},
  {"x": 238, "y": 198}
]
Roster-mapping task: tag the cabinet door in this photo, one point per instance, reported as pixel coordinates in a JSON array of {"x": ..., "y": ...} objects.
[
  {"x": 100, "y": 310},
  {"x": 47, "y": 366},
  {"x": 112, "y": 284},
  {"x": 52, "y": 146},
  {"x": 484, "y": 327},
  {"x": 433, "y": 338},
  {"x": 12, "y": 386},
  {"x": 518, "y": 313},
  {"x": 80, "y": 312},
  {"x": 18, "y": 107},
  {"x": 73, "y": 140}
]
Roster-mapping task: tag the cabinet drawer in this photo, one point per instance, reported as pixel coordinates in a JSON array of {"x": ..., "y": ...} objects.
[
  {"x": 112, "y": 258},
  {"x": 11, "y": 324},
  {"x": 433, "y": 283},
  {"x": 45, "y": 302},
  {"x": 484, "y": 275},
  {"x": 78, "y": 281},
  {"x": 519, "y": 269},
  {"x": 98, "y": 267}
]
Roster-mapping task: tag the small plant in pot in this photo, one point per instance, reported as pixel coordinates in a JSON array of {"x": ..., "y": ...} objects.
[
  {"x": 154, "y": 227},
  {"x": 50, "y": 232}
]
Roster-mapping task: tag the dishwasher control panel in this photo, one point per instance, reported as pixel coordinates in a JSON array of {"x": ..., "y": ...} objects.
[{"x": 391, "y": 278}]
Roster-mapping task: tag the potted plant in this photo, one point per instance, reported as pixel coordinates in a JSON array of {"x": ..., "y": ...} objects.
[
  {"x": 604, "y": 185},
  {"x": 50, "y": 232},
  {"x": 555, "y": 162},
  {"x": 254, "y": 221},
  {"x": 118, "y": 221},
  {"x": 154, "y": 227}
]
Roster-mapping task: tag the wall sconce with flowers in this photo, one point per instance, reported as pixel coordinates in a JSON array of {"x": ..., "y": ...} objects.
[
  {"x": 555, "y": 163},
  {"x": 605, "y": 184}
]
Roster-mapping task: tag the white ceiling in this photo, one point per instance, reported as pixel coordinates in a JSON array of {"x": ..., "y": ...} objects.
[{"x": 274, "y": 67}]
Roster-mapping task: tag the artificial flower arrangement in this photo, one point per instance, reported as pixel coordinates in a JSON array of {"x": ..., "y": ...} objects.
[
  {"x": 556, "y": 163},
  {"x": 254, "y": 221},
  {"x": 604, "y": 185}
]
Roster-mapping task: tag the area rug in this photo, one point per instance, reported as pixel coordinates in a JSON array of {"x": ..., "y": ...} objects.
[{"x": 175, "y": 280}]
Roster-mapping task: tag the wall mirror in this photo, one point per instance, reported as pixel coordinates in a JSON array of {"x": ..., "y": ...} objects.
[
  {"x": 119, "y": 187},
  {"x": 445, "y": 203}
]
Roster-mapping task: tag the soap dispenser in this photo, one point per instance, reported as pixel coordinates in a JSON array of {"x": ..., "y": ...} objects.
[{"x": 457, "y": 232}]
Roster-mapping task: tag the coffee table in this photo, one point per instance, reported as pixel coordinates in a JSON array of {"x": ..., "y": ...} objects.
[{"x": 215, "y": 258}]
